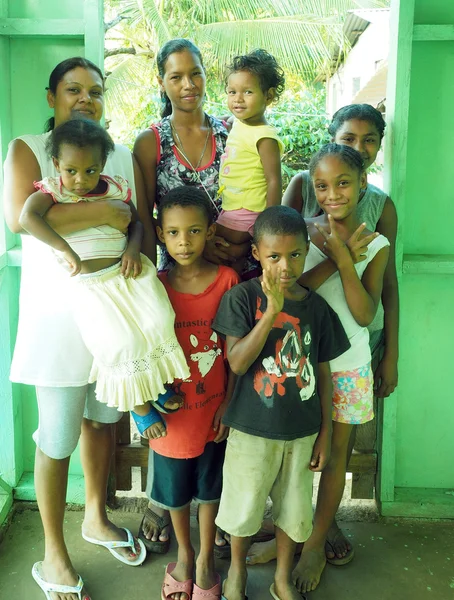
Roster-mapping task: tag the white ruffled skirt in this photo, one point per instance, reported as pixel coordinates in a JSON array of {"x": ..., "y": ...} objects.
[{"x": 128, "y": 327}]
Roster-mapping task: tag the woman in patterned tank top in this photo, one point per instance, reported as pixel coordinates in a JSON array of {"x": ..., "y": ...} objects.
[{"x": 185, "y": 148}]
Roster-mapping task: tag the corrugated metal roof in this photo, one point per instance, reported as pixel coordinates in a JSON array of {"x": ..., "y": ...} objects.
[
  {"x": 354, "y": 26},
  {"x": 356, "y": 22}
]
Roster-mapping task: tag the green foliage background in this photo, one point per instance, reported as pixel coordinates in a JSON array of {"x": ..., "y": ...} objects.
[
  {"x": 299, "y": 117},
  {"x": 302, "y": 34}
]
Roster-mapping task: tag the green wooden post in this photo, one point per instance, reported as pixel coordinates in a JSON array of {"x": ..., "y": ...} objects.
[
  {"x": 34, "y": 37},
  {"x": 416, "y": 474},
  {"x": 397, "y": 102}
]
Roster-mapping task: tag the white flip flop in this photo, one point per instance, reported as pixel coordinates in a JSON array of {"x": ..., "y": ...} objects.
[
  {"x": 48, "y": 588},
  {"x": 222, "y": 593},
  {"x": 129, "y": 543},
  {"x": 276, "y": 597}
]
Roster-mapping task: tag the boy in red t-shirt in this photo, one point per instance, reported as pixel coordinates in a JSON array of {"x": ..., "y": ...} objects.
[{"x": 186, "y": 463}]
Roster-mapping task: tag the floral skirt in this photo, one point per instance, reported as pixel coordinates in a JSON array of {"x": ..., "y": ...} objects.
[{"x": 353, "y": 395}]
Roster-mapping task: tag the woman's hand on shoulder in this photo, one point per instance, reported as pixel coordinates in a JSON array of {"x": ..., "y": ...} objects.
[{"x": 21, "y": 170}]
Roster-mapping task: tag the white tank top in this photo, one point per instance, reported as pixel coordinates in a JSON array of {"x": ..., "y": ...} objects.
[
  {"x": 332, "y": 291},
  {"x": 369, "y": 210},
  {"x": 49, "y": 350}
]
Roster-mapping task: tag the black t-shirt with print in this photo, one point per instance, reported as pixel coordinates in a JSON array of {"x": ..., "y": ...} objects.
[{"x": 277, "y": 398}]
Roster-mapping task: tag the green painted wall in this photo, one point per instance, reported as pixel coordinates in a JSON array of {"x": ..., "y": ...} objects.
[
  {"x": 425, "y": 410},
  {"x": 429, "y": 204},
  {"x": 45, "y": 9},
  {"x": 32, "y": 60},
  {"x": 418, "y": 444},
  {"x": 434, "y": 12},
  {"x": 425, "y": 442},
  {"x": 34, "y": 37}
]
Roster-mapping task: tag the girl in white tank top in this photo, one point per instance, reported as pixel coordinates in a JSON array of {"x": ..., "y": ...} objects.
[{"x": 351, "y": 282}]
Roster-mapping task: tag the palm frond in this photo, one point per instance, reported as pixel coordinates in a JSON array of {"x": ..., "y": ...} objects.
[
  {"x": 145, "y": 14},
  {"x": 206, "y": 12},
  {"x": 127, "y": 84},
  {"x": 302, "y": 46}
]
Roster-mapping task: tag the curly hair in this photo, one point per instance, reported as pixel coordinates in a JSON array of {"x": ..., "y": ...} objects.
[
  {"x": 81, "y": 133},
  {"x": 264, "y": 66}
]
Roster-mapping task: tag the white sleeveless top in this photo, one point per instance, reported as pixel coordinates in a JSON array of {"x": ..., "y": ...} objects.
[
  {"x": 369, "y": 210},
  {"x": 102, "y": 241},
  {"x": 332, "y": 291},
  {"x": 49, "y": 350}
]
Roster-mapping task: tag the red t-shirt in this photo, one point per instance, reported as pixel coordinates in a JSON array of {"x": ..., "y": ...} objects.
[{"x": 191, "y": 428}]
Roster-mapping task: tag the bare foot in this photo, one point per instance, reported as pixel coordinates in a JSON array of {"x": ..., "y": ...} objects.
[
  {"x": 222, "y": 538},
  {"x": 182, "y": 572},
  {"x": 261, "y": 552},
  {"x": 108, "y": 532},
  {"x": 174, "y": 403},
  {"x": 309, "y": 569},
  {"x": 285, "y": 590},
  {"x": 61, "y": 573},
  {"x": 151, "y": 530},
  {"x": 234, "y": 587},
  {"x": 337, "y": 545},
  {"x": 155, "y": 431}
]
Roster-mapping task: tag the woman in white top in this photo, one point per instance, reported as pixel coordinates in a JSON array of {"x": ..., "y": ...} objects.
[{"x": 50, "y": 353}]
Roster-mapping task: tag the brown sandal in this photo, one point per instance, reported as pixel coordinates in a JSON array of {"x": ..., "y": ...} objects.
[{"x": 157, "y": 547}]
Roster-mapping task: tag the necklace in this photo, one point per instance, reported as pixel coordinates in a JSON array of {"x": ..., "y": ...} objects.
[{"x": 180, "y": 148}]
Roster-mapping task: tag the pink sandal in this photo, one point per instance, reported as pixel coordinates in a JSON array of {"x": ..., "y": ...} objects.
[
  {"x": 213, "y": 593},
  {"x": 171, "y": 586}
]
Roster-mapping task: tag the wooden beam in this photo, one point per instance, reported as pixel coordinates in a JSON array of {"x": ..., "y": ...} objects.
[
  {"x": 433, "y": 33},
  {"x": 429, "y": 503},
  {"x": 42, "y": 27},
  {"x": 362, "y": 463},
  {"x": 428, "y": 264}
]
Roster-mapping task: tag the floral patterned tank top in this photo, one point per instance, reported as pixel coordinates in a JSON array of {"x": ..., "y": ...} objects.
[{"x": 172, "y": 171}]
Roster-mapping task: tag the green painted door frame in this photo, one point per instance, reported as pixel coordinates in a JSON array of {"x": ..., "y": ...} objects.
[
  {"x": 34, "y": 37},
  {"x": 416, "y": 476}
]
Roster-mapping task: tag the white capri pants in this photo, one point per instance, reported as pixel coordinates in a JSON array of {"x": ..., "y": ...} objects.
[{"x": 61, "y": 410}]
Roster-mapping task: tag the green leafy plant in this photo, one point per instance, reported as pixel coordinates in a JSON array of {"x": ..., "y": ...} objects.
[{"x": 302, "y": 123}]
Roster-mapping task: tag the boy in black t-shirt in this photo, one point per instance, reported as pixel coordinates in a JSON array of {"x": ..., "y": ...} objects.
[{"x": 280, "y": 337}]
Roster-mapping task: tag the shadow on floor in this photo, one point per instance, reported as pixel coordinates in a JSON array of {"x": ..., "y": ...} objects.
[{"x": 394, "y": 561}]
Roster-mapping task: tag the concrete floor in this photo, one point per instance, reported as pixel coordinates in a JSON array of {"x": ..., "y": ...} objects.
[{"x": 401, "y": 560}]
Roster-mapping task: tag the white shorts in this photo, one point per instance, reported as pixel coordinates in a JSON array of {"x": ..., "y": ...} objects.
[
  {"x": 255, "y": 468},
  {"x": 61, "y": 410}
]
